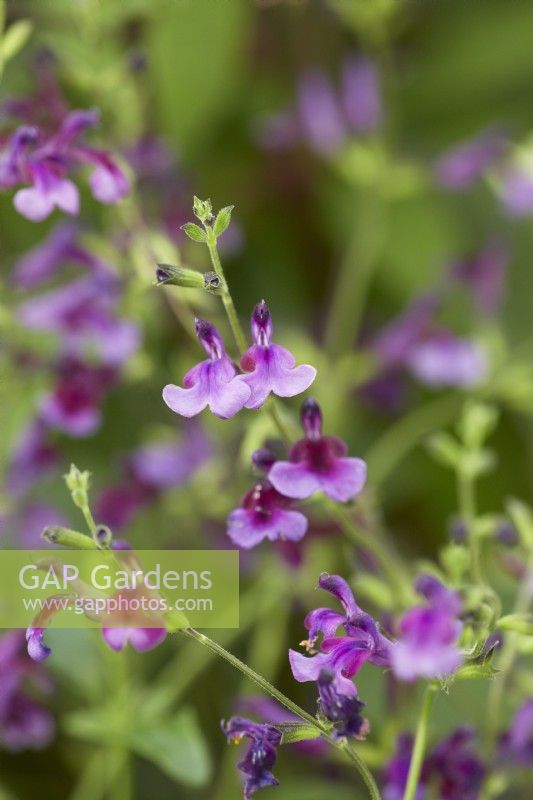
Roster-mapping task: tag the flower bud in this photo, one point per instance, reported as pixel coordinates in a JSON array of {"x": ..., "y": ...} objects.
[
  {"x": 179, "y": 276},
  {"x": 64, "y": 537}
]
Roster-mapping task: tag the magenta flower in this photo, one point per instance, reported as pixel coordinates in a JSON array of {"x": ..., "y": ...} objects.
[
  {"x": 24, "y": 723},
  {"x": 45, "y": 164},
  {"x": 74, "y": 406},
  {"x": 428, "y": 635},
  {"x": 261, "y": 755},
  {"x": 265, "y": 514},
  {"x": 141, "y": 639},
  {"x": 318, "y": 463},
  {"x": 343, "y": 655},
  {"x": 270, "y": 367},
  {"x": 210, "y": 383}
]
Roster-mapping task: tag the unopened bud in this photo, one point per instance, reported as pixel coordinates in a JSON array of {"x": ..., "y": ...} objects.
[
  {"x": 103, "y": 536},
  {"x": 179, "y": 276},
  {"x": 64, "y": 537}
]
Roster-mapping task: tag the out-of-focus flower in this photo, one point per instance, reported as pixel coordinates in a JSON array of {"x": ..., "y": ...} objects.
[
  {"x": 265, "y": 514},
  {"x": 516, "y": 744},
  {"x": 270, "y": 367},
  {"x": 24, "y": 723},
  {"x": 484, "y": 274},
  {"x": 74, "y": 406},
  {"x": 428, "y": 635},
  {"x": 33, "y": 457},
  {"x": 361, "y": 94},
  {"x": 261, "y": 754},
  {"x": 394, "y": 343},
  {"x": 466, "y": 163},
  {"x": 343, "y": 655},
  {"x": 396, "y": 771},
  {"x": 151, "y": 469},
  {"x": 318, "y": 463},
  {"x": 456, "y": 768},
  {"x": 341, "y": 709},
  {"x": 82, "y": 314},
  {"x": 42, "y": 261},
  {"x": 210, "y": 383},
  {"x": 46, "y": 164},
  {"x": 25, "y": 526},
  {"x": 516, "y": 190},
  {"x": 274, "y": 713},
  {"x": 141, "y": 639},
  {"x": 446, "y": 360},
  {"x": 323, "y": 117}
]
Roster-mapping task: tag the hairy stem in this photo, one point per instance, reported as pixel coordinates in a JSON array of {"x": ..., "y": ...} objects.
[
  {"x": 267, "y": 687},
  {"x": 419, "y": 747}
]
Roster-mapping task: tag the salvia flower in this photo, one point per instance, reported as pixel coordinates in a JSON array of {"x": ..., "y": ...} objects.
[
  {"x": 446, "y": 360},
  {"x": 341, "y": 709},
  {"x": 261, "y": 754},
  {"x": 33, "y": 457},
  {"x": 466, "y": 163},
  {"x": 45, "y": 163},
  {"x": 264, "y": 513},
  {"x": 24, "y": 723},
  {"x": 455, "y": 766},
  {"x": 342, "y": 655},
  {"x": 270, "y": 367},
  {"x": 516, "y": 744},
  {"x": 210, "y": 383},
  {"x": 483, "y": 274},
  {"x": 516, "y": 189},
  {"x": 396, "y": 771},
  {"x": 318, "y": 463},
  {"x": 429, "y": 634},
  {"x": 319, "y": 114}
]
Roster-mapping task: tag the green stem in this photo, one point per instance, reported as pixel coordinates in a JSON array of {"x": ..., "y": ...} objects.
[
  {"x": 355, "y": 274},
  {"x": 420, "y": 744},
  {"x": 227, "y": 299},
  {"x": 267, "y": 687}
]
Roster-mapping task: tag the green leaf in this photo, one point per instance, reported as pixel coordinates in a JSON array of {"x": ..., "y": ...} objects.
[
  {"x": 469, "y": 672},
  {"x": 297, "y": 732},
  {"x": 177, "y": 747},
  {"x": 194, "y": 232},
  {"x": 445, "y": 449},
  {"x": 477, "y": 423},
  {"x": 14, "y": 39},
  {"x": 223, "y": 220}
]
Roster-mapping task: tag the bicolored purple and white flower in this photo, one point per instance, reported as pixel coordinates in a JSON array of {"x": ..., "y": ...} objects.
[
  {"x": 270, "y": 367},
  {"x": 428, "y": 642},
  {"x": 211, "y": 383},
  {"x": 342, "y": 655},
  {"x": 46, "y": 163},
  {"x": 261, "y": 754},
  {"x": 318, "y": 463},
  {"x": 264, "y": 513}
]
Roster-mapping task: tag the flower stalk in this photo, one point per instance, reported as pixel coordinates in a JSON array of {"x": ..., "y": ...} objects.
[{"x": 419, "y": 747}]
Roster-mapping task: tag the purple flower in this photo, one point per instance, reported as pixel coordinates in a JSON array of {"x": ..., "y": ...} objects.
[
  {"x": 484, "y": 275},
  {"x": 45, "y": 165},
  {"x": 37, "y": 650},
  {"x": 82, "y": 313},
  {"x": 516, "y": 744},
  {"x": 210, "y": 383},
  {"x": 27, "y": 524},
  {"x": 265, "y": 514},
  {"x": 361, "y": 94},
  {"x": 261, "y": 754},
  {"x": 32, "y": 458},
  {"x": 74, "y": 405},
  {"x": 319, "y": 113},
  {"x": 274, "y": 713},
  {"x": 341, "y": 709},
  {"x": 446, "y": 360},
  {"x": 428, "y": 640},
  {"x": 516, "y": 191},
  {"x": 458, "y": 770},
  {"x": 141, "y": 639},
  {"x": 24, "y": 723},
  {"x": 270, "y": 367},
  {"x": 466, "y": 163},
  {"x": 395, "y": 342},
  {"x": 41, "y": 261},
  {"x": 343, "y": 655},
  {"x": 318, "y": 463},
  {"x": 396, "y": 771}
]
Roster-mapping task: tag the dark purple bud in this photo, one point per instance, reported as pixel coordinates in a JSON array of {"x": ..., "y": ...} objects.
[
  {"x": 261, "y": 754},
  {"x": 311, "y": 418},
  {"x": 458, "y": 530},
  {"x": 263, "y": 459},
  {"x": 103, "y": 536},
  {"x": 507, "y": 534},
  {"x": 261, "y": 324},
  {"x": 37, "y": 650},
  {"x": 343, "y": 710},
  {"x": 210, "y": 339}
]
